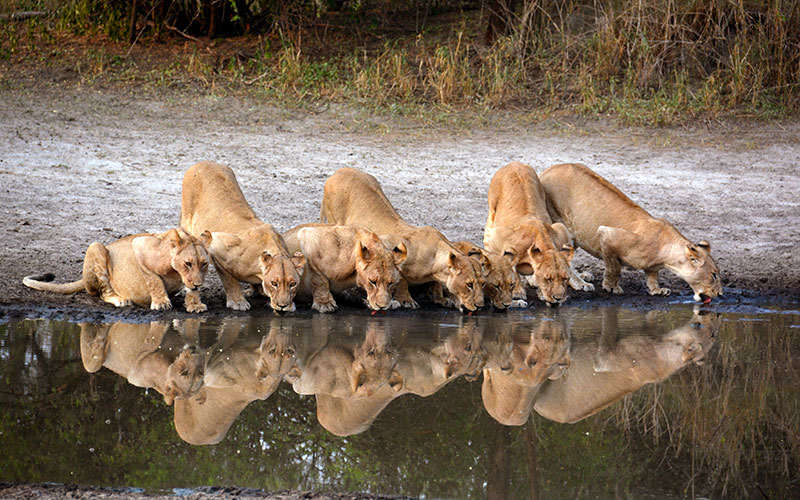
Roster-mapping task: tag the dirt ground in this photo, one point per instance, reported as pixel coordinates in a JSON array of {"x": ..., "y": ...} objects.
[{"x": 79, "y": 165}]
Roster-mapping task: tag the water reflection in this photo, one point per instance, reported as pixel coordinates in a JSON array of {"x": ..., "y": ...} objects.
[
  {"x": 604, "y": 371},
  {"x": 702, "y": 400},
  {"x": 355, "y": 368}
]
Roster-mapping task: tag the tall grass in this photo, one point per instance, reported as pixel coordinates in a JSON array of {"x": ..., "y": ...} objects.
[{"x": 654, "y": 61}]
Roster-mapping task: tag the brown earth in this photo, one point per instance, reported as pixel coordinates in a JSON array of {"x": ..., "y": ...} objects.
[{"x": 79, "y": 165}]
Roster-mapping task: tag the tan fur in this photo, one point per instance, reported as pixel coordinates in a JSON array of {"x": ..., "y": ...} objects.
[
  {"x": 342, "y": 257},
  {"x": 146, "y": 355},
  {"x": 604, "y": 372},
  {"x": 499, "y": 273},
  {"x": 245, "y": 248},
  {"x": 143, "y": 269},
  {"x": 543, "y": 354},
  {"x": 351, "y": 370},
  {"x": 354, "y": 197},
  {"x": 610, "y": 226},
  {"x": 518, "y": 224}
]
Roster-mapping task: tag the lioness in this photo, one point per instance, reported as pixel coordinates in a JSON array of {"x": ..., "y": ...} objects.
[
  {"x": 518, "y": 223},
  {"x": 244, "y": 248},
  {"x": 341, "y": 257},
  {"x": 355, "y": 197},
  {"x": 143, "y": 269},
  {"x": 499, "y": 274},
  {"x": 610, "y": 226}
]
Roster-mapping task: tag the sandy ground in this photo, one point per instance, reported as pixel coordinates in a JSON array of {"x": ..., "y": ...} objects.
[
  {"x": 81, "y": 165},
  {"x": 78, "y": 166}
]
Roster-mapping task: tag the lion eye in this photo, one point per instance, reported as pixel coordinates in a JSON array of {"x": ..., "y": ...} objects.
[
  {"x": 497, "y": 287},
  {"x": 293, "y": 284},
  {"x": 468, "y": 347},
  {"x": 204, "y": 266},
  {"x": 371, "y": 352},
  {"x": 470, "y": 285},
  {"x": 373, "y": 282},
  {"x": 291, "y": 351},
  {"x": 274, "y": 284},
  {"x": 188, "y": 265},
  {"x": 273, "y": 350}
]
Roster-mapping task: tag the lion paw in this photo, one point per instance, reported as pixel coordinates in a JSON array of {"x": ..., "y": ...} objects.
[
  {"x": 324, "y": 307},
  {"x": 395, "y": 304},
  {"x": 118, "y": 301},
  {"x": 660, "y": 291},
  {"x": 410, "y": 304},
  {"x": 198, "y": 307},
  {"x": 518, "y": 304},
  {"x": 161, "y": 305},
  {"x": 581, "y": 285},
  {"x": 238, "y": 305},
  {"x": 616, "y": 290}
]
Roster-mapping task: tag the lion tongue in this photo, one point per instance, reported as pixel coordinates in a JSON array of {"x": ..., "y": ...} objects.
[{"x": 707, "y": 301}]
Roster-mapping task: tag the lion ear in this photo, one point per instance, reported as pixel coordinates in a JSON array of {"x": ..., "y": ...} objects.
[
  {"x": 452, "y": 261},
  {"x": 568, "y": 252},
  {"x": 169, "y": 394},
  {"x": 400, "y": 253},
  {"x": 510, "y": 255},
  {"x": 363, "y": 252},
  {"x": 173, "y": 238},
  {"x": 266, "y": 258},
  {"x": 692, "y": 254},
  {"x": 205, "y": 239},
  {"x": 299, "y": 261}
]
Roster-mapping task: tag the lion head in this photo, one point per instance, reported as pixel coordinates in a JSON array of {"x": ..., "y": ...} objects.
[
  {"x": 280, "y": 276},
  {"x": 464, "y": 281},
  {"x": 378, "y": 270},
  {"x": 700, "y": 271},
  {"x": 189, "y": 256}
]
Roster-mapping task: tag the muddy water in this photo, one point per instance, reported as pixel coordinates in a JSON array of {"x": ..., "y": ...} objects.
[{"x": 586, "y": 403}]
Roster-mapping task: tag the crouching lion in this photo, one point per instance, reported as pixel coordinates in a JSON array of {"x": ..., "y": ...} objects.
[
  {"x": 143, "y": 269},
  {"x": 354, "y": 197},
  {"x": 244, "y": 248},
  {"x": 610, "y": 226},
  {"x": 343, "y": 257},
  {"x": 519, "y": 224}
]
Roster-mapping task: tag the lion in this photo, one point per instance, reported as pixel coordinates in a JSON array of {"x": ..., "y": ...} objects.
[
  {"x": 342, "y": 257},
  {"x": 244, "y": 248},
  {"x": 499, "y": 275},
  {"x": 355, "y": 197},
  {"x": 519, "y": 224},
  {"x": 143, "y": 269},
  {"x": 605, "y": 371},
  {"x": 147, "y": 355},
  {"x": 610, "y": 226}
]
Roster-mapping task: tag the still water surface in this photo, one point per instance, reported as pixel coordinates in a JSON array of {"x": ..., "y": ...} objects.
[{"x": 586, "y": 403}]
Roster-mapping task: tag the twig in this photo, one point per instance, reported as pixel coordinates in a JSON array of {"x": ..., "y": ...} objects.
[{"x": 21, "y": 16}]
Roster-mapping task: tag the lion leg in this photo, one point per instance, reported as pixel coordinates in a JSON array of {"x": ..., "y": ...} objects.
[
  {"x": 612, "y": 240},
  {"x": 234, "y": 299},
  {"x": 321, "y": 292},
  {"x": 519, "y": 297},
  {"x": 403, "y": 296},
  {"x": 579, "y": 281},
  {"x": 95, "y": 275},
  {"x": 651, "y": 275},
  {"x": 436, "y": 294},
  {"x": 193, "y": 303}
]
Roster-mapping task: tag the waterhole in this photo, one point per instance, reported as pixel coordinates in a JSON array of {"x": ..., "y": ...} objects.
[{"x": 575, "y": 402}]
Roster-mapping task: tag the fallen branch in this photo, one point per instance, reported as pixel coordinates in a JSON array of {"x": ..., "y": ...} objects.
[{"x": 20, "y": 16}]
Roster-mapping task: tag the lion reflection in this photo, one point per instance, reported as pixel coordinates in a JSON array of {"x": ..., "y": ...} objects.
[{"x": 603, "y": 373}]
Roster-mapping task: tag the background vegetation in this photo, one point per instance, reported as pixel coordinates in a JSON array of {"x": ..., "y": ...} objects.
[{"x": 659, "y": 61}]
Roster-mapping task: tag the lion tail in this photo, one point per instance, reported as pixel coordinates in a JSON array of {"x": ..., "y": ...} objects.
[{"x": 41, "y": 282}]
